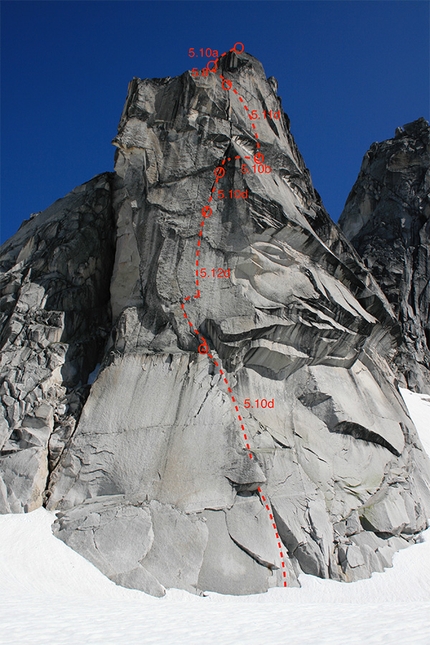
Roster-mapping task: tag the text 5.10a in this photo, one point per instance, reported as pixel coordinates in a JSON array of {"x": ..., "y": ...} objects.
[{"x": 208, "y": 53}]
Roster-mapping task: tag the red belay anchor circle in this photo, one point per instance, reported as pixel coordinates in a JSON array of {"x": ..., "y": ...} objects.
[
  {"x": 215, "y": 68},
  {"x": 219, "y": 172},
  {"x": 235, "y": 50},
  {"x": 206, "y": 211},
  {"x": 203, "y": 347}
]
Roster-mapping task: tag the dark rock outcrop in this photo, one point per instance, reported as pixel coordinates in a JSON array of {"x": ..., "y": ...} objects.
[
  {"x": 54, "y": 321},
  {"x": 244, "y": 421},
  {"x": 387, "y": 219}
]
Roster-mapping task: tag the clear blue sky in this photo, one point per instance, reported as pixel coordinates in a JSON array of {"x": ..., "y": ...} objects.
[{"x": 349, "y": 73}]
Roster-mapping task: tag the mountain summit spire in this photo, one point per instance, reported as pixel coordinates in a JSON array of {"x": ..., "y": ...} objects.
[{"x": 196, "y": 362}]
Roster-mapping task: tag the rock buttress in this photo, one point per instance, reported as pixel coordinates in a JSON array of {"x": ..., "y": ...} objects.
[{"x": 156, "y": 485}]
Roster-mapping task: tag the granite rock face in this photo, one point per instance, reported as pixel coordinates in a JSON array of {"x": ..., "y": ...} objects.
[
  {"x": 387, "y": 219},
  {"x": 54, "y": 321},
  {"x": 244, "y": 421}
]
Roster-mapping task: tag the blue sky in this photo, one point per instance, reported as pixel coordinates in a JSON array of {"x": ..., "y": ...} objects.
[{"x": 349, "y": 73}]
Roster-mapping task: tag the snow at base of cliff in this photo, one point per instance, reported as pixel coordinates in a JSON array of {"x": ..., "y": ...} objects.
[{"x": 49, "y": 595}]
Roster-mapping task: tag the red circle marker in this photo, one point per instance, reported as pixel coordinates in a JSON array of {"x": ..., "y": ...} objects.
[
  {"x": 203, "y": 349},
  {"x": 259, "y": 157},
  {"x": 206, "y": 211},
  {"x": 215, "y": 62},
  {"x": 219, "y": 172},
  {"x": 235, "y": 50},
  {"x": 226, "y": 84}
]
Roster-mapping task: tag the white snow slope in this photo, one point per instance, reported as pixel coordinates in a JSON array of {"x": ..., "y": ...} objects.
[{"x": 49, "y": 595}]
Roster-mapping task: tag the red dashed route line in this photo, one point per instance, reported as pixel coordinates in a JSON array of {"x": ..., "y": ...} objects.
[{"x": 204, "y": 347}]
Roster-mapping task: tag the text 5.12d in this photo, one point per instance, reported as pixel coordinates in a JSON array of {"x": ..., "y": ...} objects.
[{"x": 213, "y": 273}]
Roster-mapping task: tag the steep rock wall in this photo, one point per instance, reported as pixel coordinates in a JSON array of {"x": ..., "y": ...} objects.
[
  {"x": 244, "y": 424},
  {"x": 54, "y": 321},
  {"x": 387, "y": 219}
]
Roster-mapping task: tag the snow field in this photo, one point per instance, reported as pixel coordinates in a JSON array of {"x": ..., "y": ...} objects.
[{"x": 49, "y": 595}]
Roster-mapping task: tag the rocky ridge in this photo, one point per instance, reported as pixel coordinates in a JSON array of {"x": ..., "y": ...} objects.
[
  {"x": 115, "y": 419},
  {"x": 387, "y": 219},
  {"x": 54, "y": 320}
]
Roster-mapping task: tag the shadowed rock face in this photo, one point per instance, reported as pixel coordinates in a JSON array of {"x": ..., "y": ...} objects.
[
  {"x": 387, "y": 219},
  {"x": 54, "y": 321},
  {"x": 155, "y": 484}
]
